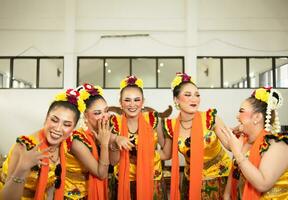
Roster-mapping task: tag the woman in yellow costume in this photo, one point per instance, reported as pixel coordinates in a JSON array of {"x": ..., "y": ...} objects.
[
  {"x": 88, "y": 155},
  {"x": 195, "y": 135},
  {"x": 35, "y": 167},
  {"x": 260, "y": 167},
  {"x": 139, "y": 172}
]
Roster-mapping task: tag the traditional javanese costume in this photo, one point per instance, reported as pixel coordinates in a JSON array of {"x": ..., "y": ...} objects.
[
  {"x": 242, "y": 189},
  {"x": 40, "y": 180},
  {"x": 207, "y": 164},
  {"x": 139, "y": 172}
]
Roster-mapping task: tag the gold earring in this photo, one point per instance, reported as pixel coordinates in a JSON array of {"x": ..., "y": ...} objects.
[
  {"x": 255, "y": 122},
  {"x": 177, "y": 106}
]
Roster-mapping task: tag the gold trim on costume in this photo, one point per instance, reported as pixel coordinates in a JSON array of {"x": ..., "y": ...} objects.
[{"x": 215, "y": 160}]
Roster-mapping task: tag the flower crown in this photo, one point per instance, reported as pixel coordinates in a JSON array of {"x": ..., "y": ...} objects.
[
  {"x": 274, "y": 100},
  {"x": 181, "y": 78},
  {"x": 86, "y": 90},
  {"x": 131, "y": 80},
  {"x": 73, "y": 97}
]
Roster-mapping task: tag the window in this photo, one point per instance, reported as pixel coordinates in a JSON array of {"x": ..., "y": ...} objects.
[
  {"x": 31, "y": 72},
  {"x": 282, "y": 72},
  {"x": 156, "y": 72},
  {"x": 242, "y": 72},
  {"x": 208, "y": 71}
]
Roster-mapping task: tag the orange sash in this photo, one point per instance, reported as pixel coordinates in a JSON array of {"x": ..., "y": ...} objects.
[
  {"x": 249, "y": 191},
  {"x": 97, "y": 189},
  {"x": 145, "y": 153},
  {"x": 42, "y": 182},
  {"x": 196, "y": 159}
]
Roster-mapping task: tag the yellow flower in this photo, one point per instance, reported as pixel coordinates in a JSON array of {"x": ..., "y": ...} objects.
[
  {"x": 123, "y": 84},
  {"x": 84, "y": 94},
  {"x": 61, "y": 97},
  {"x": 99, "y": 89},
  {"x": 262, "y": 95},
  {"x": 139, "y": 83},
  {"x": 81, "y": 105},
  {"x": 176, "y": 81}
]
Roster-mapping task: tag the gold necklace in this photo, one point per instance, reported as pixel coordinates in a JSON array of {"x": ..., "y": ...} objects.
[
  {"x": 185, "y": 128},
  {"x": 133, "y": 133}
]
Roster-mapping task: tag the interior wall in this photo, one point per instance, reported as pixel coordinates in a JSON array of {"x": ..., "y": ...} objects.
[{"x": 224, "y": 28}]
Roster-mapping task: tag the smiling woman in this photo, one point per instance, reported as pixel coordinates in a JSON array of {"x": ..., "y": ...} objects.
[{"x": 36, "y": 166}]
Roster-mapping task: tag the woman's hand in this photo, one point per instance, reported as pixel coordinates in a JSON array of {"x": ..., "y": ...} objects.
[
  {"x": 104, "y": 132},
  {"x": 234, "y": 143},
  {"x": 28, "y": 159},
  {"x": 123, "y": 143}
]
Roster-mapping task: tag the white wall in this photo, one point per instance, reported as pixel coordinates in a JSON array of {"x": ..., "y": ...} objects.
[{"x": 73, "y": 28}]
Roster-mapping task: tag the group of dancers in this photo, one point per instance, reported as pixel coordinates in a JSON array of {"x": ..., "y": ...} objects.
[{"x": 66, "y": 161}]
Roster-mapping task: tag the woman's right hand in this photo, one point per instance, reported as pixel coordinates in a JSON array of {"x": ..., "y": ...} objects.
[
  {"x": 28, "y": 159},
  {"x": 123, "y": 143},
  {"x": 104, "y": 132}
]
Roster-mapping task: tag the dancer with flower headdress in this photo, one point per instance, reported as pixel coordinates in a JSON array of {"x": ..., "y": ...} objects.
[
  {"x": 36, "y": 166},
  {"x": 88, "y": 149},
  {"x": 139, "y": 172},
  {"x": 196, "y": 135},
  {"x": 260, "y": 165}
]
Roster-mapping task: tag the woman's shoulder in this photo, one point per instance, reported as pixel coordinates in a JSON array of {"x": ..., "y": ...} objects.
[
  {"x": 273, "y": 138},
  {"x": 169, "y": 126},
  {"x": 210, "y": 117}
]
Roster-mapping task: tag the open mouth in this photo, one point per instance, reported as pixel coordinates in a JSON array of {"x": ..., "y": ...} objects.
[
  {"x": 194, "y": 105},
  {"x": 132, "y": 109},
  {"x": 55, "y": 135}
]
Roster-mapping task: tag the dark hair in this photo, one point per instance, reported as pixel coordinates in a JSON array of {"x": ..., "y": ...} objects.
[
  {"x": 178, "y": 88},
  {"x": 92, "y": 99},
  {"x": 131, "y": 86},
  {"x": 261, "y": 107},
  {"x": 65, "y": 104}
]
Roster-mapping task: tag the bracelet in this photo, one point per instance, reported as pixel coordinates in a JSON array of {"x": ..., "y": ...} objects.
[
  {"x": 18, "y": 179},
  {"x": 241, "y": 160},
  {"x": 103, "y": 163}
]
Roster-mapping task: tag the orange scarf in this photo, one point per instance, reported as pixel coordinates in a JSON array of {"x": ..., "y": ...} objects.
[
  {"x": 43, "y": 178},
  {"x": 196, "y": 159},
  {"x": 97, "y": 189},
  {"x": 249, "y": 191},
  {"x": 145, "y": 153}
]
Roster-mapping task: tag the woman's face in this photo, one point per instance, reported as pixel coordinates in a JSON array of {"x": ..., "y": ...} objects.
[
  {"x": 188, "y": 99},
  {"x": 245, "y": 117},
  {"x": 59, "y": 123},
  {"x": 97, "y": 110},
  {"x": 131, "y": 101}
]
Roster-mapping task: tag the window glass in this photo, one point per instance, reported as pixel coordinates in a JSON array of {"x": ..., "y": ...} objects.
[
  {"x": 51, "y": 73},
  {"x": 282, "y": 72},
  {"x": 167, "y": 69},
  {"x": 208, "y": 72},
  {"x": 145, "y": 68},
  {"x": 115, "y": 71},
  {"x": 4, "y": 73},
  {"x": 234, "y": 73},
  {"x": 261, "y": 72},
  {"x": 24, "y": 73},
  {"x": 91, "y": 71}
]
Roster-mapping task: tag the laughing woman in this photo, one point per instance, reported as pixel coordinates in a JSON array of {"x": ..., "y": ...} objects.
[
  {"x": 139, "y": 172},
  {"x": 88, "y": 155},
  {"x": 260, "y": 167},
  {"x": 36, "y": 166},
  {"x": 195, "y": 135}
]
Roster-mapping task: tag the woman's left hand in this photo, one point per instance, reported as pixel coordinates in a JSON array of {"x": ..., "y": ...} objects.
[
  {"x": 234, "y": 143},
  {"x": 104, "y": 132}
]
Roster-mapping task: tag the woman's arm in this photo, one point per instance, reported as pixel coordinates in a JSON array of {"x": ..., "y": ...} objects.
[
  {"x": 273, "y": 164},
  {"x": 98, "y": 167},
  {"x": 19, "y": 167},
  {"x": 166, "y": 151},
  {"x": 227, "y": 191},
  {"x": 219, "y": 125}
]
